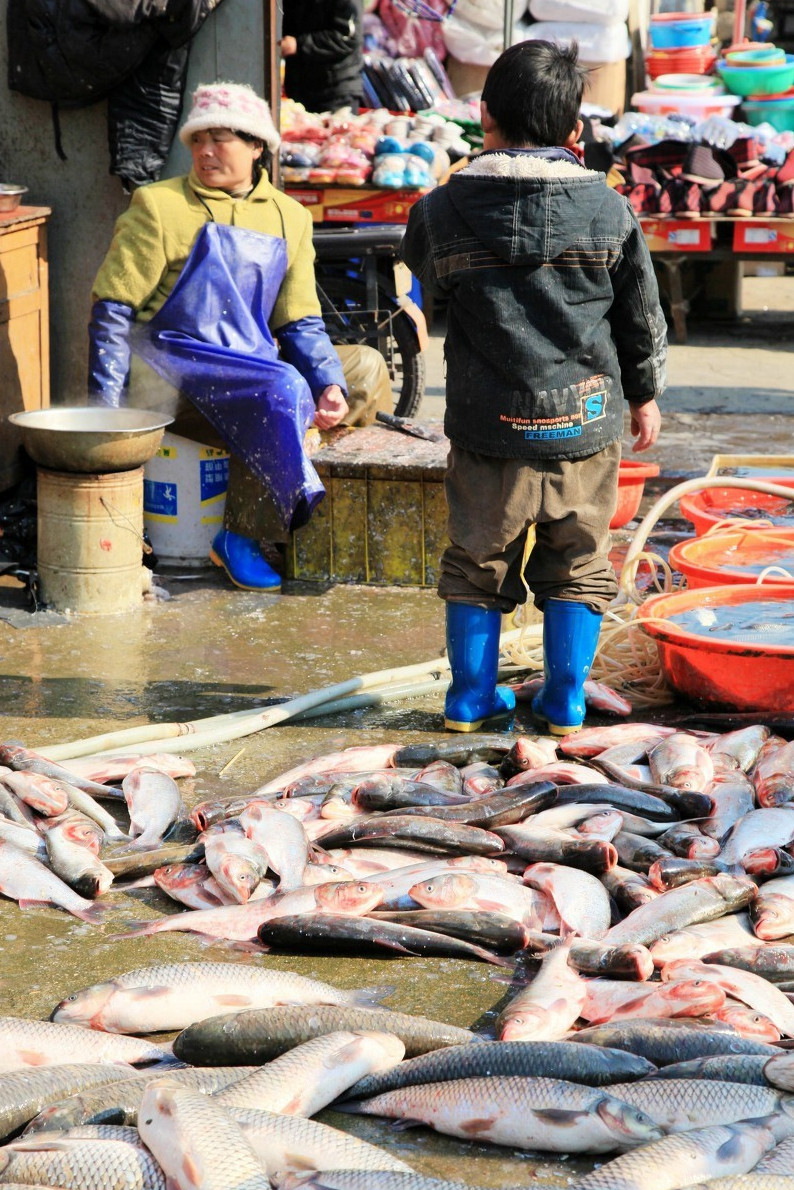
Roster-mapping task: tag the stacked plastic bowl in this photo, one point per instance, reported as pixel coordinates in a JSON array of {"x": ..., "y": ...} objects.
[
  {"x": 764, "y": 77},
  {"x": 680, "y": 44}
]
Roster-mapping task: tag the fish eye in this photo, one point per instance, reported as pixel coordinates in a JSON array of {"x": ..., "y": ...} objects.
[{"x": 362, "y": 888}]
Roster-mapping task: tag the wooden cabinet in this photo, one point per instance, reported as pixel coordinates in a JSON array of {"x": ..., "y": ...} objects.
[{"x": 24, "y": 326}]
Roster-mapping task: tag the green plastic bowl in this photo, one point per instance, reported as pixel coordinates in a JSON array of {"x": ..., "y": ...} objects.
[
  {"x": 777, "y": 112},
  {"x": 758, "y": 80}
]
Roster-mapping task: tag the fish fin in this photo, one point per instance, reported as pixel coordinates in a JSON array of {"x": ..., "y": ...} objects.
[
  {"x": 351, "y": 1049},
  {"x": 731, "y": 1149},
  {"x": 25, "y": 903},
  {"x": 191, "y": 1172},
  {"x": 404, "y": 1125},
  {"x": 44, "y": 1142},
  {"x": 557, "y": 1115},
  {"x": 373, "y": 995}
]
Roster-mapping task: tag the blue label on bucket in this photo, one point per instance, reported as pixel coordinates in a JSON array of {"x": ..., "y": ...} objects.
[
  {"x": 160, "y": 500},
  {"x": 213, "y": 478}
]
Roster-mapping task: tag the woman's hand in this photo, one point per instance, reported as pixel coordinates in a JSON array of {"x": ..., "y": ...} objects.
[
  {"x": 288, "y": 47},
  {"x": 331, "y": 408}
]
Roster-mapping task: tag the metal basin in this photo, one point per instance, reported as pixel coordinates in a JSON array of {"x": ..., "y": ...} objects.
[
  {"x": 11, "y": 196},
  {"x": 90, "y": 440}
]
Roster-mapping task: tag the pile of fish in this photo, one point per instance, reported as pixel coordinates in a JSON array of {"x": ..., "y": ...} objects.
[
  {"x": 88, "y": 1104},
  {"x": 643, "y": 872}
]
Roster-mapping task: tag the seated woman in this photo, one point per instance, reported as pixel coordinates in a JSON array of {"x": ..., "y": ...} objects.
[{"x": 203, "y": 275}]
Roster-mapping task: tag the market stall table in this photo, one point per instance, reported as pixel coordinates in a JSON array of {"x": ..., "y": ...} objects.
[{"x": 712, "y": 240}]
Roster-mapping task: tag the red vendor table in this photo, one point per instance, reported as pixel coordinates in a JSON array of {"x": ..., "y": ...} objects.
[{"x": 355, "y": 204}]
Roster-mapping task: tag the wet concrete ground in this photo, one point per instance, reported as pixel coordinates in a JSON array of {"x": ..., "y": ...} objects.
[{"x": 212, "y": 649}]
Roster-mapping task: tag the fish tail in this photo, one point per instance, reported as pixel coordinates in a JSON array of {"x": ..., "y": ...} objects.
[
  {"x": 369, "y": 996},
  {"x": 352, "y": 1107},
  {"x": 94, "y": 914},
  {"x": 135, "y": 929}
]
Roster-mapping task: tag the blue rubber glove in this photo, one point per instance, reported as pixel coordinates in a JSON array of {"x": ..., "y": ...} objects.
[
  {"x": 305, "y": 344},
  {"x": 109, "y": 352}
]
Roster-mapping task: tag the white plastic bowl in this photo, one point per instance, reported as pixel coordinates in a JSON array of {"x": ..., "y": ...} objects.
[{"x": 699, "y": 106}]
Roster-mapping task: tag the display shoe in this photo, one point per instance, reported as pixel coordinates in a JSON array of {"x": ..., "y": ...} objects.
[
  {"x": 643, "y": 198},
  {"x": 570, "y": 639},
  {"x": 473, "y": 650},
  {"x": 242, "y": 560}
]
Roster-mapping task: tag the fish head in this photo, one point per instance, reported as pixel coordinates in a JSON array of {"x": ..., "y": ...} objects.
[
  {"x": 531, "y": 752},
  {"x": 348, "y": 896},
  {"x": 603, "y": 824},
  {"x": 325, "y": 874},
  {"x": 767, "y": 861},
  {"x": 44, "y": 794},
  {"x": 772, "y": 916},
  {"x": 477, "y": 863},
  {"x": 337, "y": 808},
  {"x": 748, "y": 1023},
  {"x": 301, "y": 809},
  {"x": 687, "y": 777},
  {"x": 85, "y": 1007},
  {"x": 527, "y": 1023},
  {"x": 83, "y": 833},
  {"x": 372, "y": 786},
  {"x": 628, "y": 1124},
  {"x": 693, "y": 997},
  {"x": 180, "y": 875},
  {"x": 238, "y": 876},
  {"x": 443, "y": 892}
]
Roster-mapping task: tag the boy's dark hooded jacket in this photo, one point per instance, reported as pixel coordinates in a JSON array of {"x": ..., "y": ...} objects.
[{"x": 553, "y": 311}]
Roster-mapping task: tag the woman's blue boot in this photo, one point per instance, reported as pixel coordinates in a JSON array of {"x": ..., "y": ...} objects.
[
  {"x": 570, "y": 639},
  {"x": 473, "y": 651},
  {"x": 242, "y": 560}
]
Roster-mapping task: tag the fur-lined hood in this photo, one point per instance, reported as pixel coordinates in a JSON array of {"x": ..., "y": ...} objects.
[{"x": 527, "y": 209}]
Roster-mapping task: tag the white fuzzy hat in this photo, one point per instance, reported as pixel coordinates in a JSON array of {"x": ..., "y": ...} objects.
[{"x": 230, "y": 105}]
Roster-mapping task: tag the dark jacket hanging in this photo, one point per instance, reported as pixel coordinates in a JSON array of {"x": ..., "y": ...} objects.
[{"x": 132, "y": 52}]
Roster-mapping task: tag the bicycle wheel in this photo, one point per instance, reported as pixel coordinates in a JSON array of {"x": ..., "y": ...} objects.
[{"x": 389, "y": 330}]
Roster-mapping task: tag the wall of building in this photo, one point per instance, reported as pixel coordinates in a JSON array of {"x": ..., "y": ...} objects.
[{"x": 84, "y": 197}]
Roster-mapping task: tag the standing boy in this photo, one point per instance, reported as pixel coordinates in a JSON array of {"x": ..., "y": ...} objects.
[{"x": 553, "y": 318}]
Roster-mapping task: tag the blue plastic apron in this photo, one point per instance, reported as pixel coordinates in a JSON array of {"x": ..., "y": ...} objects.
[{"x": 211, "y": 340}]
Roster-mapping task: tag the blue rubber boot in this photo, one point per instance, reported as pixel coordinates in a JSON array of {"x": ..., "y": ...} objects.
[
  {"x": 242, "y": 560},
  {"x": 473, "y": 651},
  {"x": 570, "y": 639}
]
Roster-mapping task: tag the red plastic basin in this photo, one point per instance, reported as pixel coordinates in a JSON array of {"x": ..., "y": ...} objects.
[
  {"x": 704, "y": 509},
  {"x": 631, "y": 483},
  {"x": 734, "y": 557},
  {"x": 717, "y": 671}
]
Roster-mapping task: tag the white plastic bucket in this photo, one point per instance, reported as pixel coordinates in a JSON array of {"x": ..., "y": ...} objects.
[{"x": 184, "y": 495}]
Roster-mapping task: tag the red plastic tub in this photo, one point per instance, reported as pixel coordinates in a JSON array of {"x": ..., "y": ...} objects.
[
  {"x": 704, "y": 509},
  {"x": 734, "y": 557},
  {"x": 631, "y": 484},
  {"x": 715, "y": 671}
]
